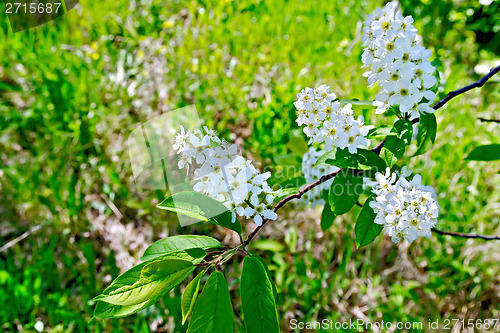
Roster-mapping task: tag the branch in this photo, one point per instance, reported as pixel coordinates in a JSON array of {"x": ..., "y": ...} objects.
[
  {"x": 458, "y": 234},
  {"x": 298, "y": 195},
  {"x": 478, "y": 84},
  {"x": 377, "y": 150},
  {"x": 489, "y": 120}
]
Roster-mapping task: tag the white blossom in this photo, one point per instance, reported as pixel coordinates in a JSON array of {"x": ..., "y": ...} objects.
[
  {"x": 406, "y": 209},
  {"x": 399, "y": 65},
  {"x": 325, "y": 121},
  {"x": 223, "y": 175}
]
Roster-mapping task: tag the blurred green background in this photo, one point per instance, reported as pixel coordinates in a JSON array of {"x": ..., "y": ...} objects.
[{"x": 71, "y": 217}]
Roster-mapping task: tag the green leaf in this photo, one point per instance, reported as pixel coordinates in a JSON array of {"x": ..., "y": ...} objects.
[
  {"x": 297, "y": 145},
  {"x": 396, "y": 146},
  {"x": 275, "y": 292},
  {"x": 363, "y": 160},
  {"x": 189, "y": 296},
  {"x": 257, "y": 300},
  {"x": 213, "y": 312},
  {"x": 485, "y": 153},
  {"x": 329, "y": 155},
  {"x": 368, "y": 159},
  {"x": 107, "y": 310},
  {"x": 285, "y": 192},
  {"x": 437, "y": 64},
  {"x": 379, "y": 132},
  {"x": 327, "y": 217},
  {"x": 201, "y": 207},
  {"x": 388, "y": 157},
  {"x": 402, "y": 130},
  {"x": 426, "y": 135},
  {"x": 147, "y": 281},
  {"x": 344, "y": 192},
  {"x": 366, "y": 229},
  {"x": 176, "y": 243}
]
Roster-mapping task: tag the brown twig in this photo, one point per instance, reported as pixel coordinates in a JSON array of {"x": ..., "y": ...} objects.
[{"x": 377, "y": 149}]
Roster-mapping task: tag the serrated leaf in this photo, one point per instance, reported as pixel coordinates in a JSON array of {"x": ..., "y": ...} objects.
[
  {"x": 395, "y": 145},
  {"x": 344, "y": 192},
  {"x": 201, "y": 207},
  {"x": 257, "y": 300},
  {"x": 403, "y": 129},
  {"x": 485, "y": 153},
  {"x": 327, "y": 217},
  {"x": 378, "y": 132},
  {"x": 366, "y": 229},
  {"x": 427, "y": 129},
  {"x": 213, "y": 312},
  {"x": 285, "y": 192},
  {"x": 189, "y": 296},
  {"x": 363, "y": 160},
  {"x": 369, "y": 159},
  {"x": 176, "y": 243},
  {"x": 107, "y": 310},
  {"x": 388, "y": 157},
  {"x": 329, "y": 155},
  {"x": 275, "y": 292},
  {"x": 147, "y": 280}
]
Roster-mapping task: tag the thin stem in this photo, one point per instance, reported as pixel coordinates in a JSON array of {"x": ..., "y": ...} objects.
[
  {"x": 489, "y": 120},
  {"x": 298, "y": 195},
  {"x": 249, "y": 203},
  {"x": 459, "y": 234},
  {"x": 377, "y": 150},
  {"x": 478, "y": 84},
  {"x": 245, "y": 253}
]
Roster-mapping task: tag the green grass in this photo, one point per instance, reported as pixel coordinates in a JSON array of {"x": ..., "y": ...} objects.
[{"x": 64, "y": 123}]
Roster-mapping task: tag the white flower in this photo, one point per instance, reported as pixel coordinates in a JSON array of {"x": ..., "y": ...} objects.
[
  {"x": 261, "y": 210},
  {"x": 325, "y": 121},
  {"x": 407, "y": 209},
  {"x": 222, "y": 174},
  {"x": 394, "y": 59}
]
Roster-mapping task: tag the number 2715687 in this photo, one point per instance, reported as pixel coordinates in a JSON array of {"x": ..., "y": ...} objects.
[{"x": 32, "y": 8}]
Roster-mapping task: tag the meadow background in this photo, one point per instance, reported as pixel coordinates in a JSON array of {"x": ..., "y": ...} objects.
[{"x": 71, "y": 91}]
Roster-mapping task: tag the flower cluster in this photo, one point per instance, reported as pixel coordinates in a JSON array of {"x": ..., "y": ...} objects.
[
  {"x": 225, "y": 176},
  {"x": 312, "y": 173},
  {"x": 325, "y": 121},
  {"x": 394, "y": 59},
  {"x": 406, "y": 209}
]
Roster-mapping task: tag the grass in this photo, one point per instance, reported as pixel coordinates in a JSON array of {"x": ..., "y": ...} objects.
[{"x": 65, "y": 119}]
